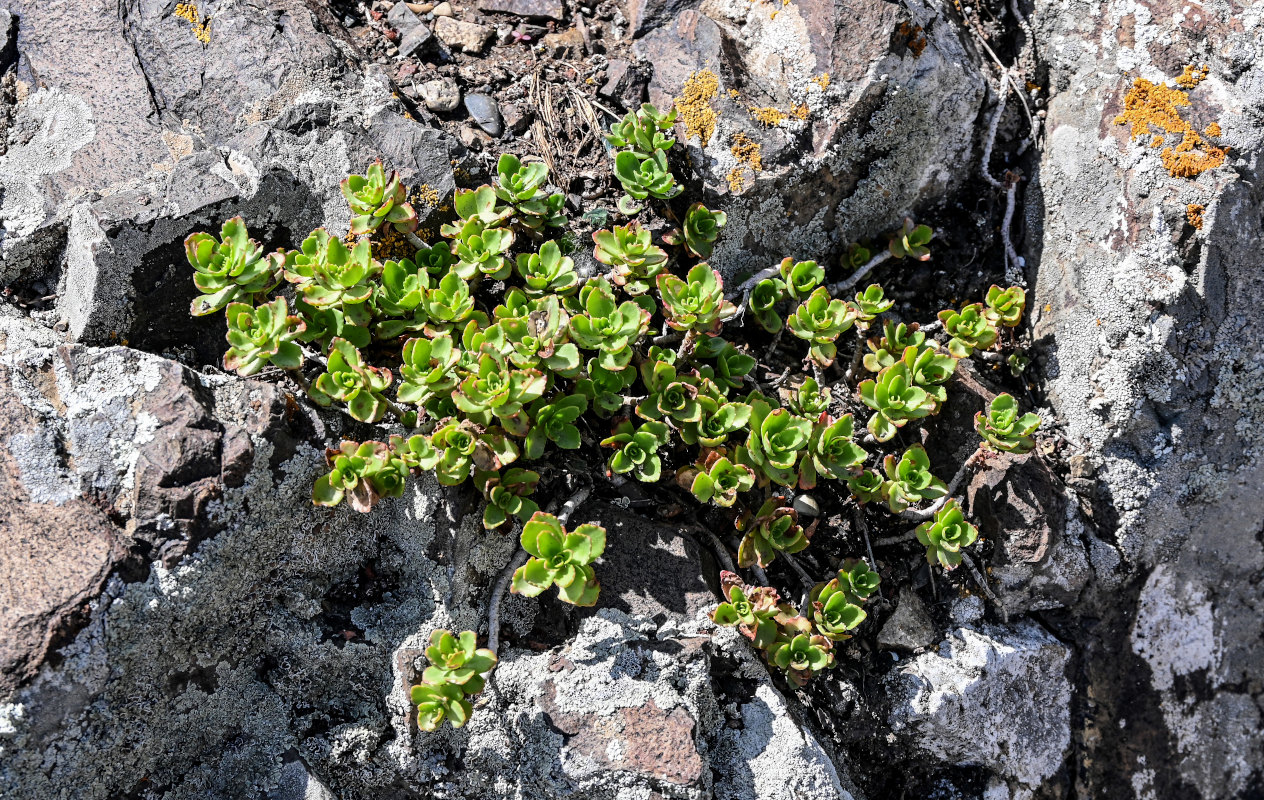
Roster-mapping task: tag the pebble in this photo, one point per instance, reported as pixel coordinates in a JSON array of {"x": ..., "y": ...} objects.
[
  {"x": 442, "y": 10},
  {"x": 441, "y": 95},
  {"x": 806, "y": 505},
  {"x": 485, "y": 112},
  {"x": 471, "y": 38}
]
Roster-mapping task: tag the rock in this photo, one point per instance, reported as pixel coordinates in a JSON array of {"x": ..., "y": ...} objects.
[
  {"x": 909, "y": 628},
  {"x": 467, "y": 36},
  {"x": 8, "y": 40},
  {"x": 994, "y": 697},
  {"x": 625, "y": 83},
  {"x": 402, "y": 18},
  {"x": 532, "y": 9},
  {"x": 566, "y": 43},
  {"x": 441, "y": 95},
  {"x": 515, "y": 118},
  {"x": 443, "y": 9},
  {"x": 484, "y": 110},
  {"x": 416, "y": 41}
]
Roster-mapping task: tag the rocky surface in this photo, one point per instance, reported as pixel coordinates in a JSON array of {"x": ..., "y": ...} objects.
[{"x": 178, "y": 621}]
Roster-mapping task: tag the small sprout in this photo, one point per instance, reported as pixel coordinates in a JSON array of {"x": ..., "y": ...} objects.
[
  {"x": 670, "y": 395},
  {"x": 607, "y": 327},
  {"x": 799, "y": 652},
  {"x": 866, "y": 486},
  {"x": 895, "y": 400},
  {"x": 857, "y": 256},
  {"x": 834, "y": 612},
  {"x": 329, "y": 275},
  {"x": 637, "y": 450},
  {"x": 869, "y": 304},
  {"x": 831, "y": 452},
  {"x": 909, "y": 479},
  {"x": 945, "y": 535},
  {"x": 858, "y": 580},
  {"x": 554, "y": 422},
  {"x": 548, "y": 272},
  {"x": 763, "y": 303},
  {"x": 820, "y": 321},
  {"x": 261, "y": 336},
  {"x": 930, "y": 369},
  {"x": 911, "y": 241},
  {"x": 697, "y": 303},
  {"x": 436, "y": 259},
  {"x": 498, "y": 390},
  {"x": 428, "y": 370},
  {"x": 643, "y": 132},
  {"x": 1005, "y": 306},
  {"x": 560, "y": 559},
  {"x": 437, "y": 703},
  {"x": 644, "y": 178},
  {"x": 715, "y": 422},
  {"x": 362, "y": 473},
  {"x": 970, "y": 330},
  {"x": 457, "y": 660},
  {"x": 776, "y": 440},
  {"x": 809, "y": 399},
  {"x": 349, "y": 379},
  {"x": 1003, "y": 429},
  {"x": 506, "y": 495},
  {"x": 801, "y": 278},
  {"x": 716, "y": 478},
  {"x": 889, "y": 348},
  {"x": 774, "y": 529},
  {"x": 635, "y": 258},
  {"x": 701, "y": 229},
  {"x": 375, "y": 198},
  {"x": 752, "y": 611},
  {"x": 230, "y": 270},
  {"x": 604, "y": 388}
]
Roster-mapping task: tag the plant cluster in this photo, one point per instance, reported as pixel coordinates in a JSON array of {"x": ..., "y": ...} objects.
[
  {"x": 457, "y": 667},
  {"x": 489, "y": 350}
]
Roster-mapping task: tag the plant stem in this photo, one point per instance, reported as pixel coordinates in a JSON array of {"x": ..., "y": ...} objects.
[
  {"x": 749, "y": 283},
  {"x": 953, "y": 485},
  {"x": 415, "y": 240},
  {"x": 859, "y": 275},
  {"x": 987, "y": 591},
  {"x": 686, "y": 347}
]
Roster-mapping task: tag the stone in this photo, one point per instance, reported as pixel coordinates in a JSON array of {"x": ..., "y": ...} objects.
[
  {"x": 516, "y": 118},
  {"x": 485, "y": 112},
  {"x": 469, "y": 37},
  {"x": 909, "y": 628},
  {"x": 531, "y": 9},
  {"x": 566, "y": 43},
  {"x": 625, "y": 83},
  {"x": 8, "y": 40},
  {"x": 402, "y": 18},
  {"x": 443, "y": 9},
  {"x": 416, "y": 41},
  {"x": 441, "y": 95}
]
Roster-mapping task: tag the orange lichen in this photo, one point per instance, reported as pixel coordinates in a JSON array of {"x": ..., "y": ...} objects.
[
  {"x": 733, "y": 93},
  {"x": 1191, "y": 76},
  {"x": 201, "y": 27},
  {"x": 425, "y": 194},
  {"x": 1212, "y": 130},
  {"x": 1148, "y": 105},
  {"x": 913, "y": 38},
  {"x": 737, "y": 179},
  {"x": 747, "y": 151},
  {"x": 1158, "y": 141},
  {"x": 822, "y": 80},
  {"x": 1194, "y": 213},
  {"x": 695, "y": 107},
  {"x": 772, "y": 117}
]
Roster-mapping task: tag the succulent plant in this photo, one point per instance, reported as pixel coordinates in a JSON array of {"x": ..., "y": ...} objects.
[
  {"x": 716, "y": 478},
  {"x": 911, "y": 241},
  {"x": 763, "y": 303},
  {"x": 752, "y": 611},
  {"x": 436, "y": 259},
  {"x": 819, "y": 321},
  {"x": 699, "y": 231},
  {"x": 560, "y": 559},
  {"x": 895, "y": 400},
  {"x": 261, "y": 336},
  {"x": 363, "y": 473},
  {"x": 637, "y": 449},
  {"x": 857, "y": 256},
  {"x": 945, "y": 535},
  {"x": 435, "y": 703},
  {"x": 375, "y": 198},
  {"x": 554, "y": 422},
  {"x": 643, "y": 132},
  {"x": 1018, "y": 363},
  {"x": 460, "y": 446},
  {"x": 482, "y": 249},
  {"x": 696, "y": 303},
  {"x": 774, "y": 529},
  {"x": 776, "y": 440},
  {"x": 1002, "y": 428},
  {"x": 834, "y": 613},
  {"x": 475, "y": 205},
  {"x": 831, "y": 452},
  {"x": 428, "y": 369},
  {"x": 801, "y": 278},
  {"x": 604, "y": 388},
  {"x": 716, "y": 421},
  {"x": 415, "y": 452},
  {"x": 670, "y": 395},
  {"x": 606, "y": 326},
  {"x": 866, "y": 486},
  {"x": 506, "y": 495},
  {"x": 397, "y": 299},
  {"x": 457, "y": 660},
  {"x": 547, "y": 272},
  {"x": 970, "y": 330},
  {"x": 1005, "y": 306},
  {"x": 447, "y": 303},
  {"x": 644, "y": 178},
  {"x": 229, "y": 270},
  {"x": 909, "y": 479},
  {"x": 808, "y": 399},
  {"x": 731, "y": 364},
  {"x": 930, "y": 369},
  {"x": 329, "y": 275},
  {"x": 497, "y": 389},
  {"x": 632, "y": 254},
  {"x": 869, "y": 304},
  {"x": 347, "y": 378},
  {"x": 520, "y": 186},
  {"x": 800, "y": 653},
  {"x": 857, "y": 580},
  {"x": 889, "y": 348}
]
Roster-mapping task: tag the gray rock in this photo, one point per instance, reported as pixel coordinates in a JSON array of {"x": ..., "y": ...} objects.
[
  {"x": 909, "y": 628},
  {"x": 8, "y": 40},
  {"x": 441, "y": 95},
  {"x": 416, "y": 42},
  {"x": 485, "y": 112},
  {"x": 469, "y": 37},
  {"x": 402, "y": 18},
  {"x": 531, "y": 9}
]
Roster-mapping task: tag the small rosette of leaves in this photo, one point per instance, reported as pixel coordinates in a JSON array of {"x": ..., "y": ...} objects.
[
  {"x": 480, "y": 249},
  {"x": 834, "y": 613},
  {"x": 699, "y": 231},
  {"x": 554, "y": 422},
  {"x": 363, "y": 473},
  {"x": 831, "y": 452},
  {"x": 801, "y": 278},
  {"x": 777, "y": 438},
  {"x": 475, "y": 205},
  {"x": 774, "y": 529},
  {"x": 930, "y": 369},
  {"x": 870, "y": 303},
  {"x": 643, "y": 132},
  {"x": 329, "y": 275},
  {"x": 889, "y": 348},
  {"x": 397, "y": 299},
  {"x": 636, "y": 450},
  {"x": 858, "y": 580},
  {"x": 560, "y": 559},
  {"x": 448, "y": 303},
  {"x": 731, "y": 364},
  {"x": 348, "y": 379},
  {"x": 507, "y": 495},
  {"x": 604, "y": 388},
  {"x": 644, "y": 178},
  {"x": 261, "y": 336},
  {"x": 460, "y": 446},
  {"x": 498, "y": 390},
  {"x": 537, "y": 337},
  {"x": 1005, "y": 306},
  {"x": 970, "y": 330},
  {"x": 718, "y": 479},
  {"x": 547, "y": 272},
  {"x": 229, "y": 270},
  {"x": 866, "y": 486},
  {"x": 763, "y": 301},
  {"x": 895, "y": 400},
  {"x": 1004, "y": 429},
  {"x": 945, "y": 535},
  {"x": 753, "y": 611},
  {"x": 808, "y": 400},
  {"x": 909, "y": 479},
  {"x": 458, "y": 660},
  {"x": 670, "y": 395},
  {"x": 820, "y": 321},
  {"x": 717, "y": 420},
  {"x": 378, "y": 197},
  {"x": 438, "y": 702},
  {"x": 696, "y": 303},
  {"x": 799, "y": 652},
  {"x": 606, "y": 326},
  {"x": 435, "y": 259},
  {"x": 428, "y": 370},
  {"x": 520, "y": 186},
  {"x": 911, "y": 241},
  {"x": 634, "y": 257}
]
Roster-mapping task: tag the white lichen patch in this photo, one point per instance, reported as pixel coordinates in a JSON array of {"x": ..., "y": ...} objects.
[{"x": 1175, "y": 628}]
